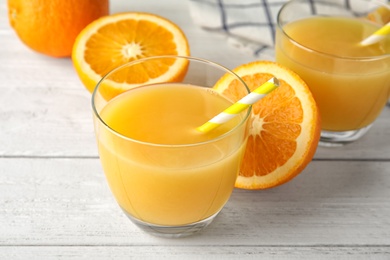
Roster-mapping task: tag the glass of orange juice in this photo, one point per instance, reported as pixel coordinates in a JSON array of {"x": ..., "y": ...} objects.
[
  {"x": 320, "y": 41},
  {"x": 169, "y": 178}
]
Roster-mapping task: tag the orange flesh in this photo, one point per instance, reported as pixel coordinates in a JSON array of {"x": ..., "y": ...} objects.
[
  {"x": 281, "y": 114},
  {"x": 148, "y": 39}
]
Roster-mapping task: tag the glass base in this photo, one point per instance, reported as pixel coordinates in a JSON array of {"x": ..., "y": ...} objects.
[
  {"x": 172, "y": 231},
  {"x": 332, "y": 139}
]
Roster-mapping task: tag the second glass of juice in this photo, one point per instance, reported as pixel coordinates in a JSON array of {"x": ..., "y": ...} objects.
[
  {"x": 320, "y": 41},
  {"x": 169, "y": 178}
]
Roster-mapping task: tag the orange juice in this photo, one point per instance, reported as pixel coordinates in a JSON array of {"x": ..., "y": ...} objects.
[
  {"x": 159, "y": 167},
  {"x": 350, "y": 82}
]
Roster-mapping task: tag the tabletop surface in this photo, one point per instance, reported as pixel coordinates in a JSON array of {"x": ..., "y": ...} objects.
[{"x": 56, "y": 204}]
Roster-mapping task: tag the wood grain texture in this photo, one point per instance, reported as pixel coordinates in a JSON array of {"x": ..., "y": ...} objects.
[
  {"x": 55, "y": 203},
  {"x": 195, "y": 252},
  {"x": 67, "y": 202}
]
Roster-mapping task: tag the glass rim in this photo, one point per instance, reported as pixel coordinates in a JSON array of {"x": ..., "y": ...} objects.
[
  {"x": 280, "y": 26},
  {"x": 189, "y": 58}
]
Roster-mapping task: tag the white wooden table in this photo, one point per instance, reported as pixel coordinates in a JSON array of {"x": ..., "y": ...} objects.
[{"x": 55, "y": 203}]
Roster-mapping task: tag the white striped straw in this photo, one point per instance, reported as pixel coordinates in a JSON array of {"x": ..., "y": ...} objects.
[
  {"x": 240, "y": 105},
  {"x": 377, "y": 36}
]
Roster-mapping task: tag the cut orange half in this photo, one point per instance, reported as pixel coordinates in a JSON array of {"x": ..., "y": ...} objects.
[
  {"x": 284, "y": 126},
  {"x": 114, "y": 40}
]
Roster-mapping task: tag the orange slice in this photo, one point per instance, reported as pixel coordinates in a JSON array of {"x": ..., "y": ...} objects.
[
  {"x": 284, "y": 126},
  {"x": 117, "y": 39},
  {"x": 380, "y": 16}
]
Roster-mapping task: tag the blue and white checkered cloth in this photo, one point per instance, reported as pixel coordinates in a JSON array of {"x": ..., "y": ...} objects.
[{"x": 250, "y": 24}]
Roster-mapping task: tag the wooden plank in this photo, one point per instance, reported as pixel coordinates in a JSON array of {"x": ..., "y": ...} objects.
[
  {"x": 374, "y": 145},
  {"x": 67, "y": 202},
  {"x": 57, "y": 121},
  {"x": 51, "y": 121},
  {"x": 195, "y": 252}
]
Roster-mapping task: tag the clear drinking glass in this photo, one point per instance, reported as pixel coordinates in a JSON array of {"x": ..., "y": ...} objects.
[
  {"x": 168, "y": 178},
  {"x": 350, "y": 82}
]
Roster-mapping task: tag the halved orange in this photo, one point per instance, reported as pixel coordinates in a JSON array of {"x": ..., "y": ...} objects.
[
  {"x": 117, "y": 39},
  {"x": 284, "y": 126}
]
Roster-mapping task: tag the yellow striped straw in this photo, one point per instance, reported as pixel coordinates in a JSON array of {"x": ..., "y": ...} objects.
[
  {"x": 377, "y": 36},
  {"x": 240, "y": 105}
]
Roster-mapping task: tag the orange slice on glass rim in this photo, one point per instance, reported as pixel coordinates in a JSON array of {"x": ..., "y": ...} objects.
[
  {"x": 380, "y": 16},
  {"x": 114, "y": 40},
  {"x": 284, "y": 127}
]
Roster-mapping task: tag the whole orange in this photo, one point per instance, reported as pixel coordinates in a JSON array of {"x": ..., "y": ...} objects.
[{"x": 51, "y": 26}]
